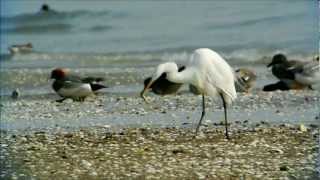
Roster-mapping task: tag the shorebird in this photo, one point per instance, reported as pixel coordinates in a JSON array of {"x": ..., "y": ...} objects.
[
  {"x": 75, "y": 87},
  {"x": 209, "y": 73},
  {"x": 45, "y": 8},
  {"x": 21, "y": 48},
  {"x": 293, "y": 74},
  {"x": 246, "y": 79},
  {"x": 162, "y": 86},
  {"x": 15, "y": 94}
]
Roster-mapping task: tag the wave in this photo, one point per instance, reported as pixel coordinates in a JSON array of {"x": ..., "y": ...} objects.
[
  {"x": 99, "y": 28},
  {"x": 36, "y": 29},
  {"x": 54, "y": 22},
  {"x": 236, "y": 57},
  {"x": 254, "y": 21},
  {"x": 58, "y": 16}
]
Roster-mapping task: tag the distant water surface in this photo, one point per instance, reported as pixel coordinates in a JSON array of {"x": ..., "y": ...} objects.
[
  {"x": 151, "y": 26},
  {"x": 109, "y": 37}
]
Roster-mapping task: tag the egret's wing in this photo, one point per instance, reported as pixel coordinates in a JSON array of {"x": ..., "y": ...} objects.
[
  {"x": 214, "y": 73},
  {"x": 221, "y": 76}
]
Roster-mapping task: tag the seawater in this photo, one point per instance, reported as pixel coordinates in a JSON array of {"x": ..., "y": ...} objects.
[
  {"x": 114, "y": 35},
  {"x": 150, "y": 26}
]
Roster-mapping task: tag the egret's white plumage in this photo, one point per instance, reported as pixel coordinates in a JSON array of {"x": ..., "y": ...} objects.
[{"x": 207, "y": 71}]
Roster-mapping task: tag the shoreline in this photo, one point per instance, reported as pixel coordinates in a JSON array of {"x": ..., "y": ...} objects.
[{"x": 182, "y": 110}]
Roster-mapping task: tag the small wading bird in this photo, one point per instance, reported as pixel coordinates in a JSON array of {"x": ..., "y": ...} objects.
[
  {"x": 246, "y": 79},
  {"x": 293, "y": 74},
  {"x": 71, "y": 86},
  {"x": 208, "y": 72},
  {"x": 162, "y": 86}
]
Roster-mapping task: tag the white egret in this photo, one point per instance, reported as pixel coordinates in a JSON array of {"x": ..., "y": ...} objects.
[
  {"x": 208, "y": 72},
  {"x": 245, "y": 80}
]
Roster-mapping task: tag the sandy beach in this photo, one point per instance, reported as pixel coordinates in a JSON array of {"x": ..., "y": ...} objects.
[{"x": 119, "y": 136}]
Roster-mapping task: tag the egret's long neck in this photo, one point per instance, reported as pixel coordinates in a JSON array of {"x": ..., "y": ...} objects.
[{"x": 185, "y": 76}]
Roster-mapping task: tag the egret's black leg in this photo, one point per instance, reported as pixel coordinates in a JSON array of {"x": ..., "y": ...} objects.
[
  {"x": 225, "y": 116},
  {"x": 202, "y": 114}
]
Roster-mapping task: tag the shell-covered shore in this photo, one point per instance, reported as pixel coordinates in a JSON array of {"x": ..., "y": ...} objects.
[
  {"x": 274, "y": 152},
  {"x": 274, "y": 135}
]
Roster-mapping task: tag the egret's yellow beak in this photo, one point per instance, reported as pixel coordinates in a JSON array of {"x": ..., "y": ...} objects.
[{"x": 146, "y": 88}]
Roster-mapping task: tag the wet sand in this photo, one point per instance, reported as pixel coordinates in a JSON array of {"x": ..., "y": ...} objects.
[
  {"x": 183, "y": 110},
  {"x": 118, "y": 136}
]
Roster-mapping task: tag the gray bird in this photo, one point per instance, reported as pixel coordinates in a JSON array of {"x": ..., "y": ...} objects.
[
  {"x": 15, "y": 94},
  {"x": 21, "y": 48},
  {"x": 294, "y": 74},
  {"x": 246, "y": 79},
  {"x": 72, "y": 86}
]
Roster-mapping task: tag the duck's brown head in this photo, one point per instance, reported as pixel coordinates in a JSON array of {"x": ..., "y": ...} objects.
[{"x": 59, "y": 73}]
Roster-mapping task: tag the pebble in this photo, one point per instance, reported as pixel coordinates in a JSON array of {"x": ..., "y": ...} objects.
[
  {"x": 86, "y": 164},
  {"x": 302, "y": 128}
]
